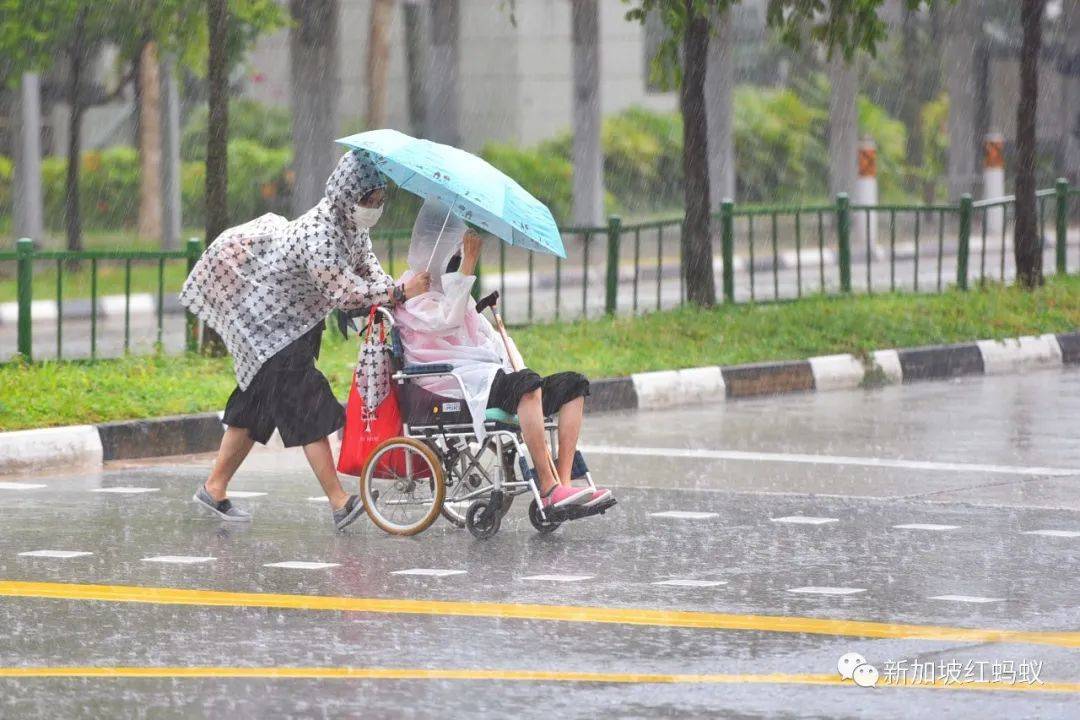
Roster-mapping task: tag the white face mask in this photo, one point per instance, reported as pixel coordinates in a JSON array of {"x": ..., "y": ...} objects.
[{"x": 366, "y": 217}]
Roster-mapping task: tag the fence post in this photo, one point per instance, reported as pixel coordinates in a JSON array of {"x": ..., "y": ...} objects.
[
  {"x": 1062, "y": 187},
  {"x": 963, "y": 249},
  {"x": 194, "y": 250},
  {"x": 24, "y": 279},
  {"x": 612, "y": 285},
  {"x": 843, "y": 233},
  {"x": 727, "y": 247}
]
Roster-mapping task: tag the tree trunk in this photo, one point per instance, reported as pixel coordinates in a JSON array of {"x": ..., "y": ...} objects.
[
  {"x": 961, "y": 21},
  {"x": 442, "y": 111},
  {"x": 314, "y": 87},
  {"x": 696, "y": 240},
  {"x": 29, "y": 213},
  {"x": 843, "y": 126},
  {"x": 149, "y": 144},
  {"x": 1070, "y": 97},
  {"x": 719, "y": 95},
  {"x": 217, "y": 136},
  {"x": 416, "y": 66},
  {"x": 378, "y": 61},
  {"x": 588, "y": 156},
  {"x": 171, "y": 206},
  {"x": 911, "y": 101},
  {"x": 72, "y": 217},
  {"x": 1027, "y": 245}
]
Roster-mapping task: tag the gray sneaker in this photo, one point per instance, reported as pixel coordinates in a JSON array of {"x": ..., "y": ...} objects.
[
  {"x": 224, "y": 509},
  {"x": 347, "y": 515}
]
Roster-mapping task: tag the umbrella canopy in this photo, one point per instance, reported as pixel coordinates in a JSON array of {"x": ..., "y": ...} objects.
[{"x": 473, "y": 189}]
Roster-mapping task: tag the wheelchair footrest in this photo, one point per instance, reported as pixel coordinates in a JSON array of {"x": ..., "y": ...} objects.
[{"x": 576, "y": 512}]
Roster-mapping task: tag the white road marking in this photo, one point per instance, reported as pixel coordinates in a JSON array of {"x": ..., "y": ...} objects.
[
  {"x": 178, "y": 559},
  {"x": 967, "y": 598},
  {"x": 321, "y": 499},
  {"x": 1053, "y": 533},
  {"x": 829, "y": 460},
  {"x": 691, "y": 583},
  {"x": 813, "y": 590},
  {"x": 685, "y": 515},
  {"x": 926, "y": 526},
  {"x": 244, "y": 494},
  {"x": 804, "y": 520},
  {"x": 430, "y": 572},
  {"x": 20, "y": 486},
  {"x": 558, "y": 578},
  {"x": 302, "y": 565},
  {"x": 120, "y": 490},
  {"x": 60, "y": 554}
]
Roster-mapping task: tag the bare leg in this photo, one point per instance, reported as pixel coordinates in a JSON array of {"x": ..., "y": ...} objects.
[
  {"x": 531, "y": 415},
  {"x": 321, "y": 460},
  {"x": 570, "y": 416},
  {"x": 236, "y": 443}
]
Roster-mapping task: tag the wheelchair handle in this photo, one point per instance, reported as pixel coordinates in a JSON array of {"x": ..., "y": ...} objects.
[{"x": 489, "y": 301}]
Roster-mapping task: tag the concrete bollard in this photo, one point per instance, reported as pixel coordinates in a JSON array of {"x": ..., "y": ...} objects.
[
  {"x": 866, "y": 193},
  {"x": 994, "y": 180}
]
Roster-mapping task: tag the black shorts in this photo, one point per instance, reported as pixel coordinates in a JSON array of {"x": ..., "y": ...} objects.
[
  {"x": 555, "y": 390},
  {"x": 290, "y": 394}
]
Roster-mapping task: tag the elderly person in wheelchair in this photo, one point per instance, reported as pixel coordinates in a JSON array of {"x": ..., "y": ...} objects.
[{"x": 473, "y": 363}]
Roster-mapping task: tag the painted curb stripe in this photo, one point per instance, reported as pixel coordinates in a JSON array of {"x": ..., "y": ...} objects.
[
  {"x": 567, "y": 613},
  {"x": 768, "y": 378},
  {"x": 350, "y": 673},
  {"x": 1070, "y": 347},
  {"x": 177, "y": 435},
  {"x": 941, "y": 362}
]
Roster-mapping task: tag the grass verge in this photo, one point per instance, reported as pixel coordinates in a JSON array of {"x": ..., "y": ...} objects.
[{"x": 66, "y": 393}]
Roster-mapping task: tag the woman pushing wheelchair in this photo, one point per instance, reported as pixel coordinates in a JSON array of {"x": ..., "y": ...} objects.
[{"x": 443, "y": 326}]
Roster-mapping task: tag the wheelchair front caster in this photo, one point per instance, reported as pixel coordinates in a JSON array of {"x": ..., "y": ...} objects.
[
  {"x": 483, "y": 518},
  {"x": 542, "y": 526}
]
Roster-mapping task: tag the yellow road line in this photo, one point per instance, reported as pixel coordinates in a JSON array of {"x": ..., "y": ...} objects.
[
  {"x": 350, "y": 673},
  {"x": 566, "y": 613}
]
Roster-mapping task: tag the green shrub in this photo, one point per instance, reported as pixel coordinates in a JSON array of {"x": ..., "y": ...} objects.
[
  {"x": 259, "y": 182},
  {"x": 934, "y": 118},
  {"x": 248, "y": 120},
  {"x": 779, "y": 149},
  {"x": 108, "y": 188}
]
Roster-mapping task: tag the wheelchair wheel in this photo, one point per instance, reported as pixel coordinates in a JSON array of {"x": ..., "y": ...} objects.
[
  {"x": 408, "y": 479},
  {"x": 542, "y": 526},
  {"x": 461, "y": 493},
  {"x": 480, "y": 527}
]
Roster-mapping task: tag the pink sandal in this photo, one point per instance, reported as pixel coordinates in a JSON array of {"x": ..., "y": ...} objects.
[{"x": 561, "y": 496}]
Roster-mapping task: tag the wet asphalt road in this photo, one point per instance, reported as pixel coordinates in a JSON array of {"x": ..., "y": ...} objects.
[{"x": 777, "y": 529}]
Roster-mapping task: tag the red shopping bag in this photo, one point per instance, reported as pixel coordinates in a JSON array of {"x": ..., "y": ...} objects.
[
  {"x": 372, "y": 415},
  {"x": 360, "y": 437}
]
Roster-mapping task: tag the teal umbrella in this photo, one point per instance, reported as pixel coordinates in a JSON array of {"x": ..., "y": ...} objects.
[{"x": 473, "y": 189}]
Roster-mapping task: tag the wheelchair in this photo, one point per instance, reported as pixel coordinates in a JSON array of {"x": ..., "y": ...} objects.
[{"x": 438, "y": 466}]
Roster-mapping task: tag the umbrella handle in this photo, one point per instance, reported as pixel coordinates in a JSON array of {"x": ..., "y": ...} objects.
[{"x": 437, "y": 240}]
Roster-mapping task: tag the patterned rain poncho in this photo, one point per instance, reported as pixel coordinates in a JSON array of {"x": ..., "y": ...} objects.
[{"x": 263, "y": 284}]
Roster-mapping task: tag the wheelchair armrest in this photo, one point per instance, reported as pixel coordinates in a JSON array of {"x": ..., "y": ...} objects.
[{"x": 427, "y": 369}]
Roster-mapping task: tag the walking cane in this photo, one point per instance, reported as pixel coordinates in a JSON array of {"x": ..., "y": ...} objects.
[{"x": 488, "y": 303}]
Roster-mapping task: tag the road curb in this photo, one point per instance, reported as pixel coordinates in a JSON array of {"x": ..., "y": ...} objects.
[{"x": 83, "y": 446}]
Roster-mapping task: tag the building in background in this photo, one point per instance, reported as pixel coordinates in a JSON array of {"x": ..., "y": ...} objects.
[{"x": 515, "y": 82}]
